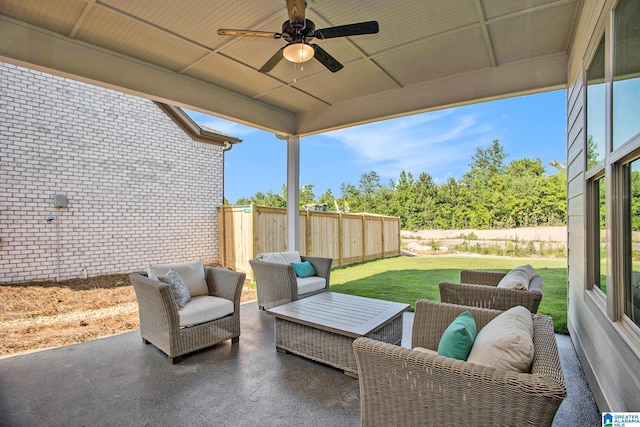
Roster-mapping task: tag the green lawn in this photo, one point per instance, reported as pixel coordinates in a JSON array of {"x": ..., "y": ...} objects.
[{"x": 408, "y": 279}]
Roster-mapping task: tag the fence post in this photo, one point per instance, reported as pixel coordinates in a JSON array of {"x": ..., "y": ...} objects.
[
  {"x": 252, "y": 229},
  {"x": 307, "y": 233},
  {"x": 382, "y": 236},
  {"x": 340, "y": 239},
  {"x": 364, "y": 238}
]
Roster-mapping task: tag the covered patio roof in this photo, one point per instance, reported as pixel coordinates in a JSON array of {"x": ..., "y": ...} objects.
[{"x": 427, "y": 55}]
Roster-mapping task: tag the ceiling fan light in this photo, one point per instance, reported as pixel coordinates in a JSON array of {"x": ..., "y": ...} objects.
[{"x": 298, "y": 52}]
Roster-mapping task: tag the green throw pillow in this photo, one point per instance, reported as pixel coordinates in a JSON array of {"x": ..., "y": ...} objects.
[
  {"x": 458, "y": 338},
  {"x": 304, "y": 269}
]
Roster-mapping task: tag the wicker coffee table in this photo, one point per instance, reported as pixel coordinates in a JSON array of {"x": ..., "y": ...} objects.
[{"x": 323, "y": 327}]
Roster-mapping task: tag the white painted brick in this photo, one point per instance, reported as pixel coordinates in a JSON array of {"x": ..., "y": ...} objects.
[{"x": 139, "y": 189}]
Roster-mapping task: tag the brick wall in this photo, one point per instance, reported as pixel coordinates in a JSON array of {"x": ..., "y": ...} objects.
[{"x": 139, "y": 189}]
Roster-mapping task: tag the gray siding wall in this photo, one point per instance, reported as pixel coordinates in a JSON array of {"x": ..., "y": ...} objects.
[
  {"x": 609, "y": 354},
  {"x": 139, "y": 189}
]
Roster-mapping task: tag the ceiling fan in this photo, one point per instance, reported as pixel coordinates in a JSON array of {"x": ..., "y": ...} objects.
[{"x": 298, "y": 31}]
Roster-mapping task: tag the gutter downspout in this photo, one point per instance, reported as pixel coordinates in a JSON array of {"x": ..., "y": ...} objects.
[{"x": 227, "y": 147}]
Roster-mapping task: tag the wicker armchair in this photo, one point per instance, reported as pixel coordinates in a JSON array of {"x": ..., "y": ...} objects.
[
  {"x": 404, "y": 387},
  {"x": 277, "y": 284},
  {"x": 479, "y": 289},
  {"x": 160, "y": 320}
]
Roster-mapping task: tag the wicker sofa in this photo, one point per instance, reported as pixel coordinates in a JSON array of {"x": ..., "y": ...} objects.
[
  {"x": 405, "y": 387},
  {"x": 479, "y": 289},
  {"x": 276, "y": 280},
  {"x": 163, "y": 324}
]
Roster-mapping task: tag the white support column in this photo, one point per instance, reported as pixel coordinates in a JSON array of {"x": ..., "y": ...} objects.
[{"x": 293, "y": 193}]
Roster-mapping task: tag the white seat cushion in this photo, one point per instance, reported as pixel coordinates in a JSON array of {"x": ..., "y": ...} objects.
[
  {"x": 192, "y": 273},
  {"x": 203, "y": 309},
  {"x": 310, "y": 284}
]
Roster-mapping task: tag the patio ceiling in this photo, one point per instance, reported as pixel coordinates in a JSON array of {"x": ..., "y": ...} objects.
[{"x": 429, "y": 54}]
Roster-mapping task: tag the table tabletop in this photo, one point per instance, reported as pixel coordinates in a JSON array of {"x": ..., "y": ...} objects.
[{"x": 345, "y": 314}]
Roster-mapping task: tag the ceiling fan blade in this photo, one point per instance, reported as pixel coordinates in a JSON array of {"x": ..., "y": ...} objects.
[
  {"x": 273, "y": 61},
  {"x": 250, "y": 33},
  {"x": 296, "y": 12},
  {"x": 369, "y": 27},
  {"x": 325, "y": 59}
]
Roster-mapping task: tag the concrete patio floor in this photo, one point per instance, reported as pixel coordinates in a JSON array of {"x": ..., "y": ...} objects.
[{"x": 120, "y": 381}]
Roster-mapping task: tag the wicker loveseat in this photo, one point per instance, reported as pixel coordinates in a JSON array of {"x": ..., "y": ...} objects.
[
  {"x": 405, "y": 387},
  {"x": 480, "y": 289},
  {"x": 276, "y": 280},
  {"x": 177, "y": 332}
]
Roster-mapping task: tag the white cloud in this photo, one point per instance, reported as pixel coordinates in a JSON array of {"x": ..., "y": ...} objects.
[{"x": 439, "y": 143}]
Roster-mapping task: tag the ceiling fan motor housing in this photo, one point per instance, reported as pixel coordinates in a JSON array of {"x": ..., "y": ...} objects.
[{"x": 292, "y": 34}]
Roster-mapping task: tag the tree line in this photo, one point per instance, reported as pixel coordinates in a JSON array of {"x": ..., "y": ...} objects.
[{"x": 491, "y": 194}]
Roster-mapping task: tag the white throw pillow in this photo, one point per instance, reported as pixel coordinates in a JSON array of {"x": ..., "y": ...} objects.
[
  {"x": 506, "y": 342},
  {"x": 192, "y": 273},
  {"x": 518, "y": 278}
]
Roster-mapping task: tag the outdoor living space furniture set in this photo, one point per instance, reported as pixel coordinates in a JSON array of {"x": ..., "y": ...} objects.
[{"x": 468, "y": 364}]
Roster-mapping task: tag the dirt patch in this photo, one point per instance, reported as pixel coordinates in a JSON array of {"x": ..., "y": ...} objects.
[
  {"x": 537, "y": 239},
  {"x": 41, "y": 315}
]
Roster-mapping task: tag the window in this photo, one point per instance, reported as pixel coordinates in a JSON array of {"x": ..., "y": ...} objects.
[
  {"x": 626, "y": 72},
  {"x": 599, "y": 234},
  {"x": 596, "y": 118},
  {"x": 631, "y": 188}
]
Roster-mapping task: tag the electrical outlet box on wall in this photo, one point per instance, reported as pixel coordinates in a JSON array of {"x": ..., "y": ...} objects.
[{"x": 60, "y": 201}]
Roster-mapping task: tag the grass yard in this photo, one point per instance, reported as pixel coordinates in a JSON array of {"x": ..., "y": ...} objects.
[{"x": 408, "y": 279}]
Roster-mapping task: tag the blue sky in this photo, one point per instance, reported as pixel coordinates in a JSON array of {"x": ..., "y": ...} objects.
[{"x": 440, "y": 143}]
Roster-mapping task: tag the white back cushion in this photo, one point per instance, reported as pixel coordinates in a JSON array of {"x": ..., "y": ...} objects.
[
  {"x": 192, "y": 274},
  {"x": 518, "y": 278},
  {"x": 506, "y": 342},
  {"x": 291, "y": 256},
  {"x": 275, "y": 257}
]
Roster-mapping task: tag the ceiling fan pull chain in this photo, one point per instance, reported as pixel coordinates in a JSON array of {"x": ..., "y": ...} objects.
[{"x": 295, "y": 66}]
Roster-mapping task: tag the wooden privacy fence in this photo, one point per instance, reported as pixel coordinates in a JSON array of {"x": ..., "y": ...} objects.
[{"x": 246, "y": 231}]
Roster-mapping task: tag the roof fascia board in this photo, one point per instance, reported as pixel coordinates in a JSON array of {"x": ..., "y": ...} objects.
[{"x": 516, "y": 79}]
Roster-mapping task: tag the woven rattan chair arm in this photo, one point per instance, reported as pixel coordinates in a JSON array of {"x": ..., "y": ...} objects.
[
  {"x": 491, "y": 278},
  {"x": 488, "y": 296},
  {"x": 225, "y": 283},
  {"x": 275, "y": 283},
  {"x": 546, "y": 362},
  {"x": 156, "y": 304}
]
